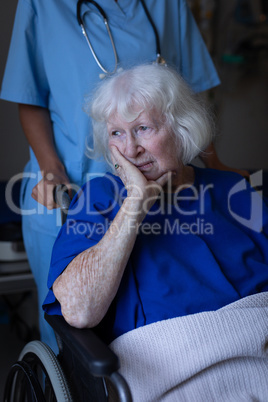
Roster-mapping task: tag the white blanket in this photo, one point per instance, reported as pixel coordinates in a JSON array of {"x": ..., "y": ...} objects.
[{"x": 212, "y": 356}]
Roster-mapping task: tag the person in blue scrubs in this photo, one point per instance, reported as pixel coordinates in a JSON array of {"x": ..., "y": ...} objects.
[
  {"x": 157, "y": 238},
  {"x": 50, "y": 70}
]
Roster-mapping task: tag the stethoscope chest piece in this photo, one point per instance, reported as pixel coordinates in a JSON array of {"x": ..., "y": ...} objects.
[{"x": 160, "y": 60}]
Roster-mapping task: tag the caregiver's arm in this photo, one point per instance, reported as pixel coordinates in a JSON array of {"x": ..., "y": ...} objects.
[
  {"x": 37, "y": 127},
  {"x": 211, "y": 160},
  {"x": 88, "y": 285}
]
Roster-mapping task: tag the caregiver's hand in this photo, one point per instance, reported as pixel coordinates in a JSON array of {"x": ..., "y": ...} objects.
[
  {"x": 43, "y": 191},
  {"x": 142, "y": 191},
  {"x": 37, "y": 126}
]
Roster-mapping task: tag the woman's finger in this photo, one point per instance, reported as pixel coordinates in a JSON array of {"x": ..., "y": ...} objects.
[
  {"x": 121, "y": 163},
  {"x": 118, "y": 158}
]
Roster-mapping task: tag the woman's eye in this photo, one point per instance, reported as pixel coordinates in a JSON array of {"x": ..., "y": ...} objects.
[
  {"x": 115, "y": 133},
  {"x": 143, "y": 128}
]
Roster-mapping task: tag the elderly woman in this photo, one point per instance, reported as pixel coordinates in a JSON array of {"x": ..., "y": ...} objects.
[{"x": 157, "y": 238}]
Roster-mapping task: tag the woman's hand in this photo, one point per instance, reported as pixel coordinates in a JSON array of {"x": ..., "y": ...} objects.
[
  {"x": 43, "y": 192},
  {"x": 142, "y": 191},
  {"x": 88, "y": 285}
]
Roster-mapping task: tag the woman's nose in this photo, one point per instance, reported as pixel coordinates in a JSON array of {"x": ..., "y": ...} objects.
[{"x": 133, "y": 147}]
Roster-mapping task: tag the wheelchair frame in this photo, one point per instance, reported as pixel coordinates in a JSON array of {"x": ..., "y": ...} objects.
[
  {"x": 79, "y": 349},
  {"x": 85, "y": 369}
]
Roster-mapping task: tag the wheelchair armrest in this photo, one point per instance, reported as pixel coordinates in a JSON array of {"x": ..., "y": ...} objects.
[{"x": 91, "y": 351}]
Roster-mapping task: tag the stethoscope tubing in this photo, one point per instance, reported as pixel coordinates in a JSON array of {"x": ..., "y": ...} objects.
[
  {"x": 159, "y": 59},
  {"x": 148, "y": 15},
  {"x": 78, "y": 10},
  {"x": 105, "y": 20}
]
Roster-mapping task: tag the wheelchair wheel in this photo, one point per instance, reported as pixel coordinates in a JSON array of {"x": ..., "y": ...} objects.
[{"x": 37, "y": 377}]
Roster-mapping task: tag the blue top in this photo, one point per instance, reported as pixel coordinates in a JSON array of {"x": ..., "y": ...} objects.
[
  {"x": 196, "y": 251},
  {"x": 50, "y": 65}
]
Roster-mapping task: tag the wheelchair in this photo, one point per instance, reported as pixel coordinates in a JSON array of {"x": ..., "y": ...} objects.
[{"x": 84, "y": 370}]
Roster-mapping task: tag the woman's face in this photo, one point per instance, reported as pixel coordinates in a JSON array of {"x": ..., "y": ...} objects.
[{"x": 146, "y": 142}]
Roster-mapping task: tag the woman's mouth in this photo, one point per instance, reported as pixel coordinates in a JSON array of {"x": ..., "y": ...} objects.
[{"x": 145, "y": 166}]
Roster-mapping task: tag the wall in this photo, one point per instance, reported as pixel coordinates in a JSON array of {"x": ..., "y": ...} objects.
[
  {"x": 241, "y": 54},
  {"x": 241, "y": 101},
  {"x": 14, "y": 149}
]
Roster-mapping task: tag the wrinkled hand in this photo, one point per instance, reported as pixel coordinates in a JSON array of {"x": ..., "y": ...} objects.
[
  {"x": 142, "y": 191},
  {"x": 43, "y": 191}
]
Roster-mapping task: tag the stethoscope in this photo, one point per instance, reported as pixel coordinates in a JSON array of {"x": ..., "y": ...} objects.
[{"x": 159, "y": 58}]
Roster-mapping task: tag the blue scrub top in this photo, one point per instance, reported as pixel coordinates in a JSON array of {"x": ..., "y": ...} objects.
[
  {"x": 196, "y": 252},
  {"x": 50, "y": 64}
]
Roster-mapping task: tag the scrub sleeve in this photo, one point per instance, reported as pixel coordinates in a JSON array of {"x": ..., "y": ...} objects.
[{"x": 50, "y": 65}]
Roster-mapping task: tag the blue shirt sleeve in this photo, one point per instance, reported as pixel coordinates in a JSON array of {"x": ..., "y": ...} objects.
[
  {"x": 25, "y": 78},
  {"x": 89, "y": 217}
]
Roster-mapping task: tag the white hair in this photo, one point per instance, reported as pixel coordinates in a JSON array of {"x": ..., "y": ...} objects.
[{"x": 157, "y": 90}]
